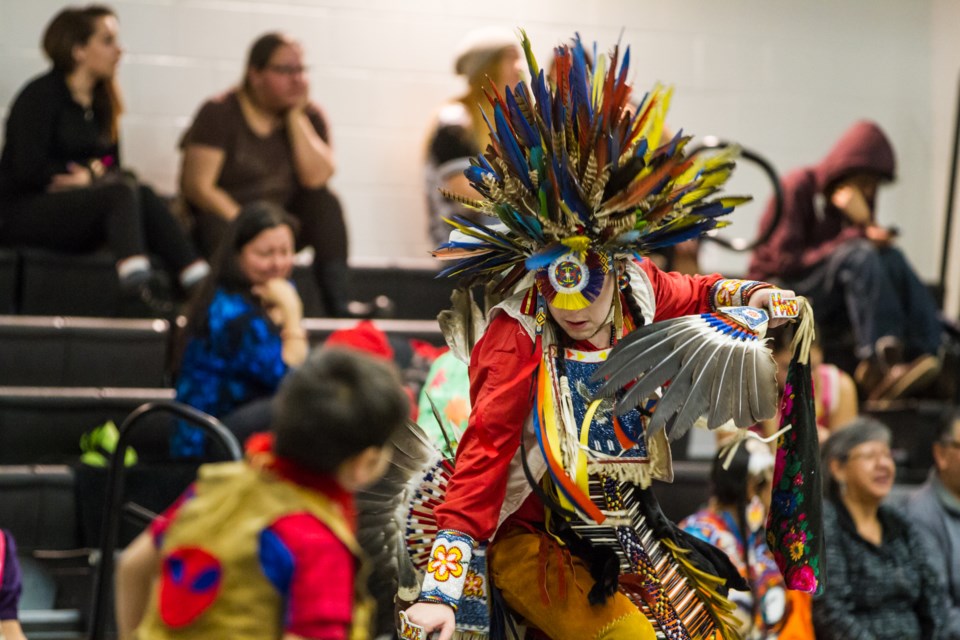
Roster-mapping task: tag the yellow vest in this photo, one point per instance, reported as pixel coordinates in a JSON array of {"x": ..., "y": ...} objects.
[{"x": 233, "y": 504}]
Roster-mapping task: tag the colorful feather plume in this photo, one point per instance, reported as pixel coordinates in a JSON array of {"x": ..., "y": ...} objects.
[{"x": 580, "y": 159}]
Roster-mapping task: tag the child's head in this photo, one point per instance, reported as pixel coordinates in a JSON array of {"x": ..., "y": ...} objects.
[{"x": 335, "y": 413}]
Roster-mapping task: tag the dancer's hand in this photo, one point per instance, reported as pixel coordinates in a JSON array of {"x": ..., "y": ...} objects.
[
  {"x": 761, "y": 300},
  {"x": 433, "y": 617}
]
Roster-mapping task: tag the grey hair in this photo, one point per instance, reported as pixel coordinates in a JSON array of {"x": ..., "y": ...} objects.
[{"x": 840, "y": 443}]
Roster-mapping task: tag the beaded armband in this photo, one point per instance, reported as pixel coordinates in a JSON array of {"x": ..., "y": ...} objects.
[
  {"x": 446, "y": 571},
  {"x": 734, "y": 293}
]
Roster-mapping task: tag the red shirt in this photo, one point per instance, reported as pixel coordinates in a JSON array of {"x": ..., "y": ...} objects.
[{"x": 504, "y": 360}]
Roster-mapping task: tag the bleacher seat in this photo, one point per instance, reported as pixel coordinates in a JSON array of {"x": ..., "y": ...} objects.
[
  {"x": 412, "y": 285},
  {"x": 43, "y": 425},
  {"x": 68, "y": 284},
  {"x": 9, "y": 263},
  {"x": 83, "y": 352},
  {"x": 914, "y": 425}
]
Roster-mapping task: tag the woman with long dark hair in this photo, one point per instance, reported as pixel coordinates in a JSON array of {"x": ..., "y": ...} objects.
[
  {"x": 61, "y": 183},
  {"x": 243, "y": 331},
  {"x": 265, "y": 140}
]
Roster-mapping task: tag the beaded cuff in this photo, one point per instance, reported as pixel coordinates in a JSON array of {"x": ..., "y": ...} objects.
[
  {"x": 446, "y": 571},
  {"x": 734, "y": 293}
]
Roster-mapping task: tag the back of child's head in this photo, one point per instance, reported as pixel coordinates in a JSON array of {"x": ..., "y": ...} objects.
[{"x": 335, "y": 405}]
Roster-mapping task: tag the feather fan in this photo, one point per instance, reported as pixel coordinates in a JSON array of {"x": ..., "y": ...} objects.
[{"x": 708, "y": 365}]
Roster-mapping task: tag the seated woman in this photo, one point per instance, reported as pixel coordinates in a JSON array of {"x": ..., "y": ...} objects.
[
  {"x": 733, "y": 522},
  {"x": 878, "y": 583},
  {"x": 265, "y": 140},
  {"x": 243, "y": 331},
  {"x": 486, "y": 57},
  {"x": 61, "y": 183}
]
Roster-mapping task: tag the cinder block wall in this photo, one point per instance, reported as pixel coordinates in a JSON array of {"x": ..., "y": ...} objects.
[{"x": 784, "y": 79}]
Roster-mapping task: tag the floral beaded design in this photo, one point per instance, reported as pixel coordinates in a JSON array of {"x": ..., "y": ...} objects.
[
  {"x": 445, "y": 563},
  {"x": 446, "y": 571},
  {"x": 794, "y": 524}
]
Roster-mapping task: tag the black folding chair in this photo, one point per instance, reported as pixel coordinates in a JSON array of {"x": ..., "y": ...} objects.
[
  {"x": 114, "y": 507},
  {"x": 742, "y": 245}
]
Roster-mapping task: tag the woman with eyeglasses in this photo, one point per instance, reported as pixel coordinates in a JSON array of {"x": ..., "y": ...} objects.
[
  {"x": 878, "y": 582},
  {"x": 265, "y": 140}
]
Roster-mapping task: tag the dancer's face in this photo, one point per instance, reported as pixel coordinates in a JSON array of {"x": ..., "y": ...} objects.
[
  {"x": 269, "y": 255},
  {"x": 586, "y": 323}
]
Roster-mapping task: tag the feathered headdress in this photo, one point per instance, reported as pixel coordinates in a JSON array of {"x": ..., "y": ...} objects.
[{"x": 576, "y": 175}]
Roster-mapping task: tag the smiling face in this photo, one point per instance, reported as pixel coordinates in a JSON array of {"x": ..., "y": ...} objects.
[
  {"x": 100, "y": 55},
  {"x": 868, "y": 471},
  {"x": 282, "y": 83},
  {"x": 269, "y": 255},
  {"x": 586, "y": 323}
]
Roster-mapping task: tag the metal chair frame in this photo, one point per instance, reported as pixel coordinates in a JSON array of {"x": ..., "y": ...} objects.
[{"x": 116, "y": 477}]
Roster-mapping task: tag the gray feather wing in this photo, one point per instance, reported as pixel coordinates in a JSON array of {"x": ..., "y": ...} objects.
[
  {"x": 724, "y": 389},
  {"x": 378, "y": 528},
  {"x": 714, "y": 369},
  {"x": 696, "y": 391},
  {"x": 642, "y": 350}
]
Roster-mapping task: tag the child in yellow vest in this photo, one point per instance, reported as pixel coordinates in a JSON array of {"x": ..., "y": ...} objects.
[{"x": 267, "y": 550}]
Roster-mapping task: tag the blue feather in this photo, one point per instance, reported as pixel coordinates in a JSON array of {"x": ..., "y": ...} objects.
[
  {"x": 493, "y": 132},
  {"x": 544, "y": 257},
  {"x": 711, "y": 210},
  {"x": 665, "y": 237},
  {"x": 624, "y": 67},
  {"x": 510, "y": 147},
  {"x": 527, "y": 134},
  {"x": 642, "y": 147},
  {"x": 579, "y": 85},
  {"x": 544, "y": 102},
  {"x": 569, "y": 192},
  {"x": 475, "y": 174},
  {"x": 530, "y": 224}
]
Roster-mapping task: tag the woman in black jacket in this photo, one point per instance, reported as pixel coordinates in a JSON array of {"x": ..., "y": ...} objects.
[
  {"x": 878, "y": 584},
  {"x": 61, "y": 186}
]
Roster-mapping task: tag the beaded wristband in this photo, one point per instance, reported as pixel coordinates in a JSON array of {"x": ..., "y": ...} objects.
[
  {"x": 447, "y": 568},
  {"x": 734, "y": 293}
]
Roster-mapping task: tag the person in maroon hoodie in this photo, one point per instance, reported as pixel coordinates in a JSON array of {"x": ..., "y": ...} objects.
[{"x": 829, "y": 247}]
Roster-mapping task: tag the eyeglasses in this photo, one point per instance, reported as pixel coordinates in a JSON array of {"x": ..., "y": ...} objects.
[
  {"x": 287, "y": 69},
  {"x": 872, "y": 456}
]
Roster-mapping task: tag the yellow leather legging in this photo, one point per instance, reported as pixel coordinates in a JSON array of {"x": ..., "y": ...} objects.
[{"x": 547, "y": 586}]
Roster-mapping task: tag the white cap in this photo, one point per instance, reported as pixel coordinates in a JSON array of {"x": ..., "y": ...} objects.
[{"x": 479, "y": 47}]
